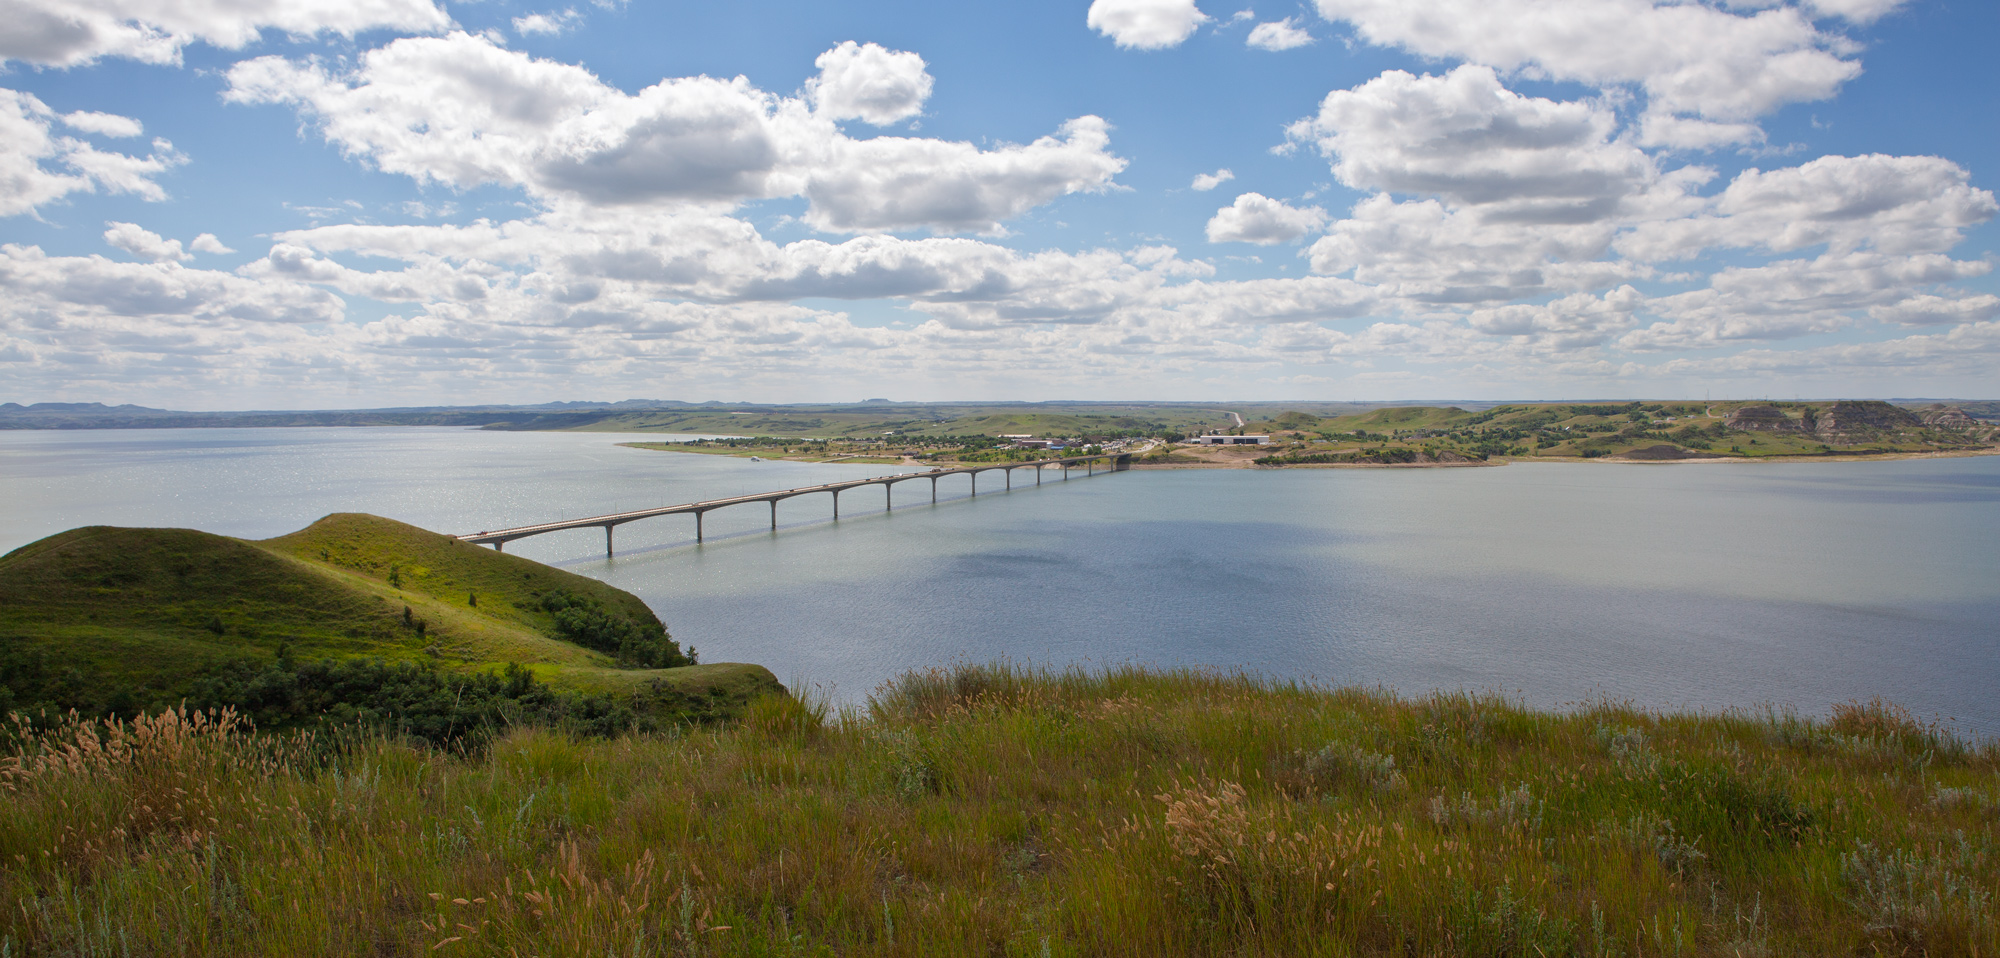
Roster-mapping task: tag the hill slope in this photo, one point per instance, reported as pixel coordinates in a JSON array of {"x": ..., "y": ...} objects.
[{"x": 145, "y": 612}]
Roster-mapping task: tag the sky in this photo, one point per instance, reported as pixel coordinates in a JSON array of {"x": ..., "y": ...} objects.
[{"x": 214, "y": 204}]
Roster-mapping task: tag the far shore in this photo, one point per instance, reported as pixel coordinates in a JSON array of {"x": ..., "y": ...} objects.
[
  {"x": 1243, "y": 457},
  {"x": 1607, "y": 460}
]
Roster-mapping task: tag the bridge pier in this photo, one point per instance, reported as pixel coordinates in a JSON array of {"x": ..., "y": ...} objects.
[{"x": 499, "y": 538}]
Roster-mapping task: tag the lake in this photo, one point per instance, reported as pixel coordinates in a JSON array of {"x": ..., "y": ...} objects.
[{"x": 1708, "y": 586}]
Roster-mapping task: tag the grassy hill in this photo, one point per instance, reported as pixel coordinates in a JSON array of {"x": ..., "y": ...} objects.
[
  {"x": 1636, "y": 430},
  {"x": 987, "y": 811},
  {"x": 143, "y": 614}
]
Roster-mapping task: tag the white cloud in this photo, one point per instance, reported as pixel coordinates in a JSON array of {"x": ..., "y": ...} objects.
[
  {"x": 870, "y": 83},
  {"x": 1256, "y": 218},
  {"x": 1858, "y": 11},
  {"x": 1464, "y": 137},
  {"x": 145, "y": 244},
  {"x": 1278, "y": 35},
  {"x": 65, "y": 33},
  {"x": 1792, "y": 298},
  {"x": 462, "y": 111},
  {"x": 1577, "y": 321},
  {"x": 1690, "y": 59},
  {"x": 1895, "y": 204},
  {"x": 38, "y": 167},
  {"x": 891, "y": 183},
  {"x": 207, "y": 243},
  {"x": 1203, "y": 182},
  {"x": 547, "y": 24},
  {"x": 1428, "y": 252},
  {"x": 95, "y": 289},
  {"x": 1925, "y": 309},
  {"x": 103, "y": 124},
  {"x": 1685, "y": 133},
  {"x": 1145, "y": 24}
]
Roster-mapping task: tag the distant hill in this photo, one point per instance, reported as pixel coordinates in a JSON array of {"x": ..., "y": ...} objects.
[
  {"x": 141, "y": 615},
  {"x": 1630, "y": 430}
]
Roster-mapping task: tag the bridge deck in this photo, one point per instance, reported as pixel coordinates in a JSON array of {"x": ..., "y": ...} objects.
[{"x": 497, "y": 537}]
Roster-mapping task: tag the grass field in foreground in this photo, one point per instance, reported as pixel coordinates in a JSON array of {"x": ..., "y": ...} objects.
[{"x": 991, "y": 811}]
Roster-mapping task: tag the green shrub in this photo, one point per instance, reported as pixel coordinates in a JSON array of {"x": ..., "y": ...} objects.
[{"x": 585, "y": 621}]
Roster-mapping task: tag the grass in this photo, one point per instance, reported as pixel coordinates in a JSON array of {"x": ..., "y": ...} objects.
[
  {"x": 1000, "y": 811},
  {"x": 145, "y": 611},
  {"x": 1660, "y": 430}
]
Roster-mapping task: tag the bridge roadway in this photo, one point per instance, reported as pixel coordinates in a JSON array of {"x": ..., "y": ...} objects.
[{"x": 498, "y": 538}]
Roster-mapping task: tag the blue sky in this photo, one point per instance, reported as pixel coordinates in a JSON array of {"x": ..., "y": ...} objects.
[{"x": 321, "y": 204}]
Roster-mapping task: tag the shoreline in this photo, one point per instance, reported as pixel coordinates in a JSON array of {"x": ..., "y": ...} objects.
[
  {"x": 1247, "y": 463},
  {"x": 1577, "y": 460}
]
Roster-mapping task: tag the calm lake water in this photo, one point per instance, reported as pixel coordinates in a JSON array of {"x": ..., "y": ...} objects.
[{"x": 1705, "y": 586}]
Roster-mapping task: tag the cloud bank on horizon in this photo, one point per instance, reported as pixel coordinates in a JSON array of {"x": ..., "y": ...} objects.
[{"x": 1516, "y": 198}]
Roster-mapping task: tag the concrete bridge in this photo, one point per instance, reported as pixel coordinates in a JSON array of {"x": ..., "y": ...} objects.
[{"x": 1115, "y": 462}]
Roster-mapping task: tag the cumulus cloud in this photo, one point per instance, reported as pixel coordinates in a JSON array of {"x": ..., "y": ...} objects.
[
  {"x": 1925, "y": 309},
  {"x": 1857, "y": 11},
  {"x": 207, "y": 243},
  {"x": 890, "y": 183},
  {"x": 462, "y": 111},
  {"x": 92, "y": 287},
  {"x": 152, "y": 247},
  {"x": 144, "y": 243},
  {"x": 1465, "y": 137},
  {"x": 1428, "y": 252},
  {"x": 61, "y": 33},
  {"x": 1278, "y": 35},
  {"x": 103, "y": 124},
  {"x": 1689, "y": 59},
  {"x": 1256, "y": 218},
  {"x": 1790, "y": 298},
  {"x": 1895, "y": 204},
  {"x": 38, "y": 166},
  {"x": 1203, "y": 182},
  {"x": 547, "y": 24},
  {"x": 870, "y": 83},
  {"x": 1145, "y": 24},
  {"x": 1572, "y": 322}
]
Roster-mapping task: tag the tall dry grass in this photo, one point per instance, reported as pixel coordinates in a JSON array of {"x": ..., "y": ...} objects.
[{"x": 994, "y": 810}]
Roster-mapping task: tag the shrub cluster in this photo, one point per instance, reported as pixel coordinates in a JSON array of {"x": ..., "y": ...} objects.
[
  {"x": 585, "y": 621},
  {"x": 414, "y": 700}
]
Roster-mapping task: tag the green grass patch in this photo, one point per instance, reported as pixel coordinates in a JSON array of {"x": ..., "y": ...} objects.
[
  {"x": 106, "y": 619},
  {"x": 997, "y": 811}
]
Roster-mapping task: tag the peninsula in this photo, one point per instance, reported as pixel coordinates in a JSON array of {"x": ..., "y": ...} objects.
[{"x": 355, "y": 616}]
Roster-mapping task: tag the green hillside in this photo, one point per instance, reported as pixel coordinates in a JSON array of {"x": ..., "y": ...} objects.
[
  {"x": 140, "y": 616},
  {"x": 1631, "y": 430}
]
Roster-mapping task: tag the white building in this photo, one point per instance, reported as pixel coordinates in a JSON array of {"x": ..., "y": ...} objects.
[{"x": 1233, "y": 440}]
